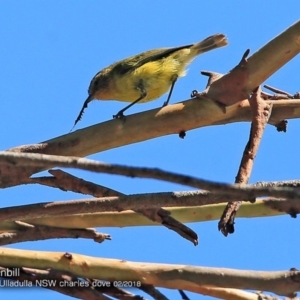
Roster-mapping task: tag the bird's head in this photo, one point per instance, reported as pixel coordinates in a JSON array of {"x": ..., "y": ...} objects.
[
  {"x": 99, "y": 86},
  {"x": 98, "y": 89}
]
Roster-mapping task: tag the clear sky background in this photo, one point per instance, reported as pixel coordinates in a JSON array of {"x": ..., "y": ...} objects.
[{"x": 50, "y": 50}]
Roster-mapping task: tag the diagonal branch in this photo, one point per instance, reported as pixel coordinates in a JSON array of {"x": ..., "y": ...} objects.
[
  {"x": 252, "y": 72},
  {"x": 153, "y": 292},
  {"x": 187, "y": 115},
  {"x": 261, "y": 114},
  {"x": 27, "y": 160},
  {"x": 66, "y": 181},
  {"x": 232, "y": 88}
]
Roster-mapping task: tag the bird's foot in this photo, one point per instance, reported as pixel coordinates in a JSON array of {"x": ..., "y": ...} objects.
[{"x": 119, "y": 115}]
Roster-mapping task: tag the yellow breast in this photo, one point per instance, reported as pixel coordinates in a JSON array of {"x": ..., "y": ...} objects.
[{"x": 156, "y": 78}]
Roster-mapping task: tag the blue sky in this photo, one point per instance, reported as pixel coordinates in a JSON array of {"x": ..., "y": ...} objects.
[{"x": 49, "y": 53}]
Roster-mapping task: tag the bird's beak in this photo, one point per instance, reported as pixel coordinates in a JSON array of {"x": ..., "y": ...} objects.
[
  {"x": 88, "y": 99},
  {"x": 85, "y": 105}
]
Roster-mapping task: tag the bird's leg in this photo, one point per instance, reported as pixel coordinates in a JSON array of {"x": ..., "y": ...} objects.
[
  {"x": 143, "y": 91},
  {"x": 174, "y": 79}
]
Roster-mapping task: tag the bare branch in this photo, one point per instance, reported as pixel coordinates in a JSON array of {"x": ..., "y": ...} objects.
[
  {"x": 184, "y": 206},
  {"x": 112, "y": 204},
  {"x": 36, "y": 160},
  {"x": 182, "y": 277},
  {"x": 261, "y": 113},
  {"x": 178, "y": 227},
  {"x": 271, "y": 57},
  {"x": 278, "y": 91},
  {"x": 68, "y": 182},
  {"x": 176, "y": 119},
  {"x": 188, "y": 115},
  {"x": 252, "y": 72},
  {"x": 65, "y": 284},
  {"x": 27, "y": 232}
]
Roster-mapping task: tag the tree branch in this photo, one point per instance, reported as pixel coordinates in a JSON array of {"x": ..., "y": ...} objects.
[
  {"x": 191, "y": 114},
  {"x": 228, "y": 89},
  {"x": 64, "y": 284},
  {"x": 158, "y": 215},
  {"x": 182, "y": 277},
  {"x": 27, "y": 160},
  {"x": 253, "y": 71},
  {"x": 261, "y": 113},
  {"x": 27, "y": 232},
  {"x": 172, "y": 119},
  {"x": 68, "y": 182},
  {"x": 183, "y": 206}
]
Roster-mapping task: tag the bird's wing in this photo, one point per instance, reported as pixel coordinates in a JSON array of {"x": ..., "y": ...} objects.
[{"x": 134, "y": 62}]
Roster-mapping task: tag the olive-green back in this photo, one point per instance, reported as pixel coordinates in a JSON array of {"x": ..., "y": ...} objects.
[{"x": 131, "y": 63}]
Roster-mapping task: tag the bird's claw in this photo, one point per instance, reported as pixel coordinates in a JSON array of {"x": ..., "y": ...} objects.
[
  {"x": 119, "y": 115},
  {"x": 194, "y": 93}
]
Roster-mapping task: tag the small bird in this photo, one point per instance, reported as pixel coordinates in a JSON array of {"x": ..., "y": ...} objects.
[{"x": 146, "y": 76}]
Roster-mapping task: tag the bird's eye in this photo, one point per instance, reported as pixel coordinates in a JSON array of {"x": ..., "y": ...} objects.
[{"x": 96, "y": 82}]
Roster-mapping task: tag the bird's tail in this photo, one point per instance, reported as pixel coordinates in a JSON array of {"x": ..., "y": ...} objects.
[{"x": 210, "y": 43}]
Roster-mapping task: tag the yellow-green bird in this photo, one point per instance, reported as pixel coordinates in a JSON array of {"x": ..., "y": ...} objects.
[{"x": 146, "y": 76}]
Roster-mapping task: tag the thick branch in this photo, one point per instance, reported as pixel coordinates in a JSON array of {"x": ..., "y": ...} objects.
[
  {"x": 271, "y": 57},
  {"x": 183, "y": 206},
  {"x": 107, "y": 204},
  {"x": 160, "y": 275},
  {"x": 186, "y": 115},
  {"x": 252, "y": 72},
  {"x": 229, "y": 89},
  {"x": 172, "y": 119}
]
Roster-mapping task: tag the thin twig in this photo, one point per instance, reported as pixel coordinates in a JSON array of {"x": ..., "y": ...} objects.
[
  {"x": 68, "y": 182},
  {"x": 183, "y": 295},
  {"x": 28, "y": 232},
  {"x": 278, "y": 91},
  {"x": 153, "y": 292}
]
